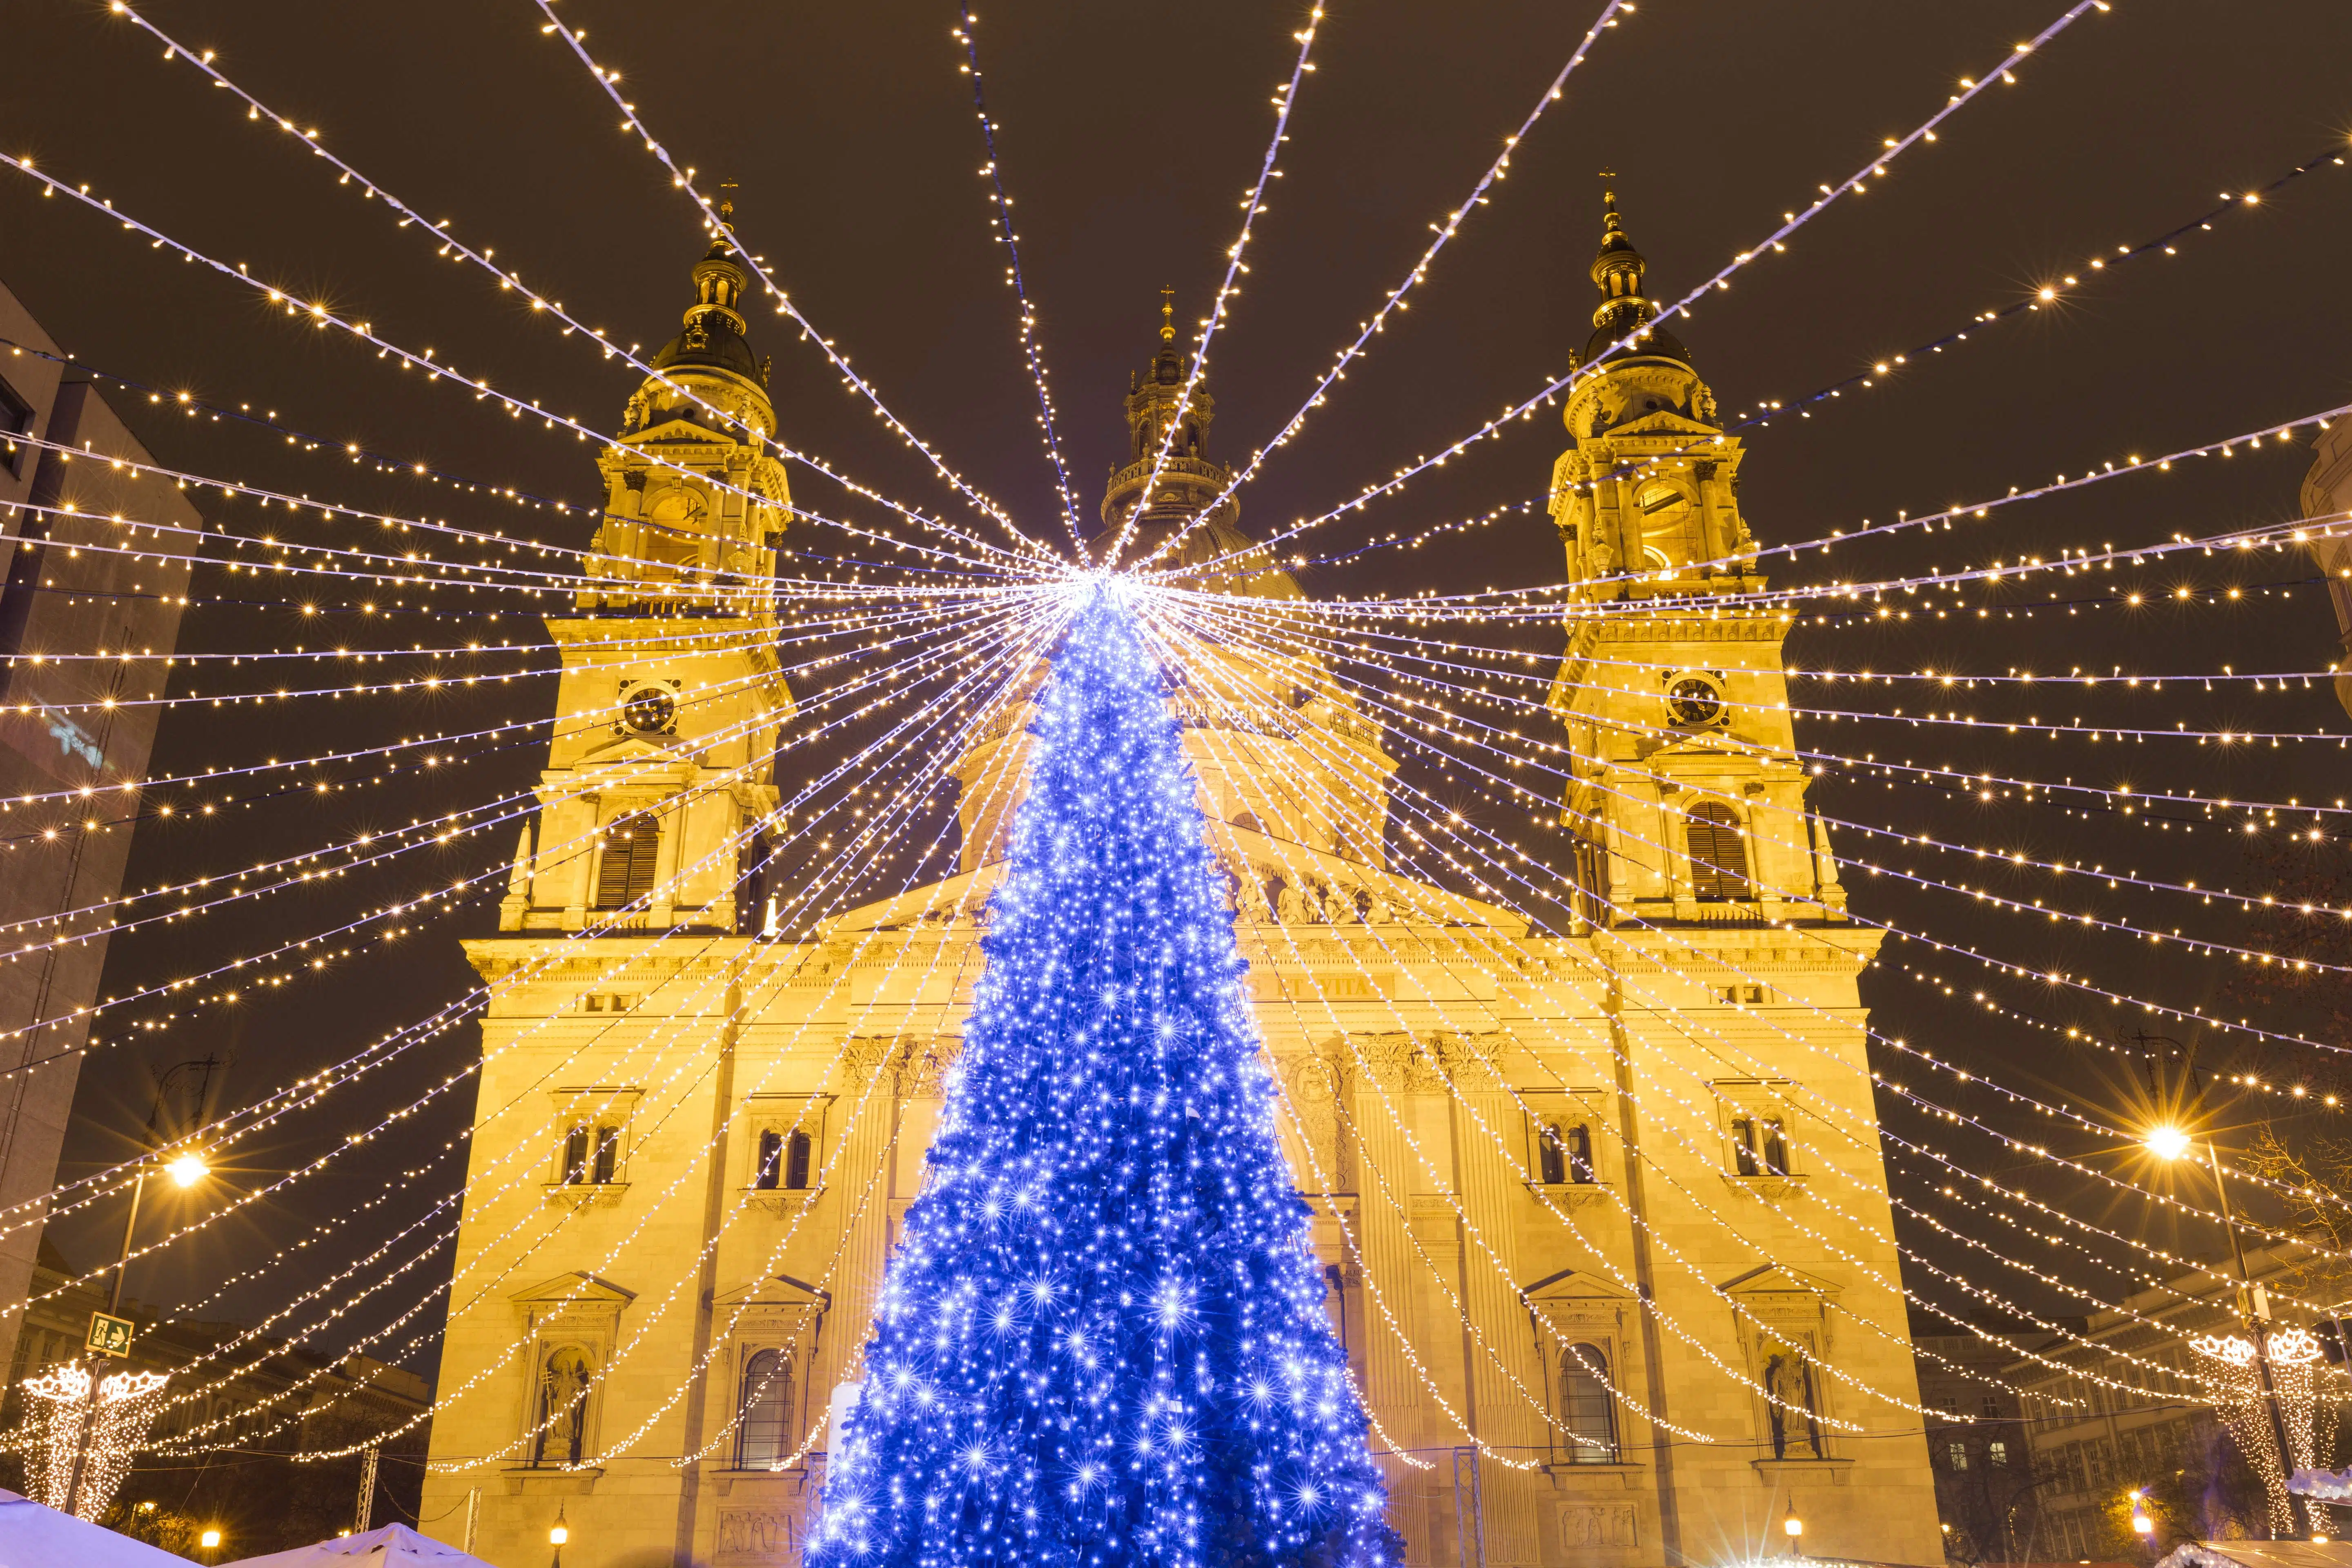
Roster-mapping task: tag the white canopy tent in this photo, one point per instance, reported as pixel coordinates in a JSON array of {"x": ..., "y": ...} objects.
[
  {"x": 2259, "y": 1555},
  {"x": 393, "y": 1546},
  {"x": 32, "y": 1536}
]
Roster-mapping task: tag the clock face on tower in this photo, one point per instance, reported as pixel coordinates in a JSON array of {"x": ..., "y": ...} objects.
[
  {"x": 650, "y": 710},
  {"x": 1694, "y": 701}
]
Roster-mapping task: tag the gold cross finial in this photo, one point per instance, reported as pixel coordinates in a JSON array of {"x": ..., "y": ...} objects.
[
  {"x": 726, "y": 203},
  {"x": 1166, "y": 314}
]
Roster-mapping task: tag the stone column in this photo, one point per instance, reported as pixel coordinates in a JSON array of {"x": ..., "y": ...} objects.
[
  {"x": 1489, "y": 1130},
  {"x": 1385, "y": 1173},
  {"x": 869, "y": 1092}
]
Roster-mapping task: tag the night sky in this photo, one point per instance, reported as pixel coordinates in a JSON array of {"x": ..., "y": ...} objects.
[{"x": 1129, "y": 135}]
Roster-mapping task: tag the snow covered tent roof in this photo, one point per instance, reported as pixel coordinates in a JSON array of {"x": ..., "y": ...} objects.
[
  {"x": 32, "y": 1536},
  {"x": 393, "y": 1546},
  {"x": 2259, "y": 1555}
]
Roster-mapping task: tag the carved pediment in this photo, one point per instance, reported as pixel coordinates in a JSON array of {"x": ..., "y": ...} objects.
[
  {"x": 575, "y": 1287},
  {"x": 778, "y": 1291},
  {"x": 1663, "y": 422},
  {"x": 1779, "y": 1279},
  {"x": 679, "y": 429},
  {"x": 1574, "y": 1285}
]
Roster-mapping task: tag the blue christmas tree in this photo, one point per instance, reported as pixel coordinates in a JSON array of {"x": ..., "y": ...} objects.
[{"x": 1102, "y": 1340}]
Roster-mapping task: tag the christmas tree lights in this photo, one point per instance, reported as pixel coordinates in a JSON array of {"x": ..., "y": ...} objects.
[{"x": 1102, "y": 1337}]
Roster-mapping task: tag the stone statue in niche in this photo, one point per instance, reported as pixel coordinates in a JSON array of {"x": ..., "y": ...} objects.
[
  {"x": 1250, "y": 901},
  {"x": 1291, "y": 904}
]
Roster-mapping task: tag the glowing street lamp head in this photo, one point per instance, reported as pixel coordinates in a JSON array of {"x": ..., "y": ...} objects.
[
  {"x": 2168, "y": 1143},
  {"x": 189, "y": 1169},
  {"x": 1793, "y": 1526},
  {"x": 210, "y": 1541},
  {"x": 558, "y": 1533}
]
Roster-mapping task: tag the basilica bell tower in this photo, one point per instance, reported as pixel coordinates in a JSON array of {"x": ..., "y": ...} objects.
[
  {"x": 660, "y": 770},
  {"x": 1689, "y": 800}
]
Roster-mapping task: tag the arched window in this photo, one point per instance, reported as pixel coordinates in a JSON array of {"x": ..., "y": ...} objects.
[
  {"x": 608, "y": 1155},
  {"x": 1551, "y": 1154},
  {"x": 1718, "y": 855},
  {"x": 783, "y": 1161},
  {"x": 1588, "y": 1417},
  {"x": 563, "y": 1383},
  {"x": 625, "y": 873},
  {"x": 764, "y": 1412},
  {"x": 1668, "y": 521},
  {"x": 1580, "y": 1153},
  {"x": 575, "y": 1155}
]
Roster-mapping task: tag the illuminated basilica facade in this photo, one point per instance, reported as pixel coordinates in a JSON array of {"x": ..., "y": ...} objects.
[{"x": 1603, "y": 1211}]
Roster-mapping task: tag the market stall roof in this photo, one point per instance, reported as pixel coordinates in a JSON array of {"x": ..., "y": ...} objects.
[
  {"x": 32, "y": 1536},
  {"x": 2259, "y": 1555},
  {"x": 393, "y": 1546}
]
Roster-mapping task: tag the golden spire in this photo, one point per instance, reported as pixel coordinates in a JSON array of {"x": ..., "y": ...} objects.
[{"x": 1167, "y": 313}]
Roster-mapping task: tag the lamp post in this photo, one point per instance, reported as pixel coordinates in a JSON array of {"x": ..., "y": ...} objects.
[
  {"x": 557, "y": 1534},
  {"x": 1794, "y": 1529},
  {"x": 2173, "y": 1144},
  {"x": 186, "y": 1169}
]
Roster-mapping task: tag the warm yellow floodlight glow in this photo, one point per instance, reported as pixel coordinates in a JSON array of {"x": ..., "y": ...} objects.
[
  {"x": 2168, "y": 1143},
  {"x": 189, "y": 1169}
]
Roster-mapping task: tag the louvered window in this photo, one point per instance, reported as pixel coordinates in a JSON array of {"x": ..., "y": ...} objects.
[
  {"x": 1718, "y": 855},
  {"x": 625, "y": 871}
]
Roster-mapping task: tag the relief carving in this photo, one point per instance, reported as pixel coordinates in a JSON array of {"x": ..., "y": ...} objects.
[
  {"x": 1589, "y": 1524},
  {"x": 757, "y": 1534},
  {"x": 1398, "y": 1063}
]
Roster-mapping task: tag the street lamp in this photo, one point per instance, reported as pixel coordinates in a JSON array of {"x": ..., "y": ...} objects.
[
  {"x": 557, "y": 1534},
  {"x": 210, "y": 1541},
  {"x": 1794, "y": 1529},
  {"x": 2142, "y": 1526},
  {"x": 2171, "y": 1143},
  {"x": 186, "y": 1168}
]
